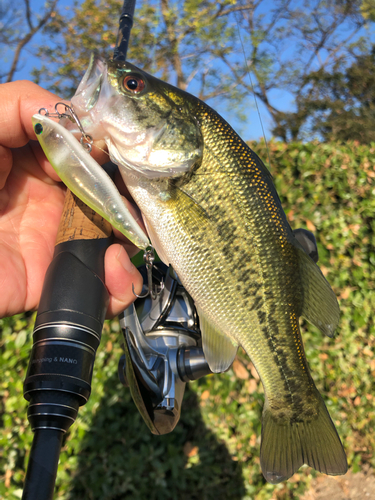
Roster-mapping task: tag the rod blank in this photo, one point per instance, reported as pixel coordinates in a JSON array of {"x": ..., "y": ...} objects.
[
  {"x": 126, "y": 23},
  {"x": 42, "y": 467}
]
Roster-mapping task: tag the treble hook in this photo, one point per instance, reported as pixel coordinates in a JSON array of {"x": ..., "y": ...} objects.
[
  {"x": 71, "y": 115},
  {"x": 149, "y": 258}
]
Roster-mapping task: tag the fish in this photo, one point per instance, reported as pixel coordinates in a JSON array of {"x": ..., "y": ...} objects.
[
  {"x": 86, "y": 178},
  {"x": 212, "y": 212}
]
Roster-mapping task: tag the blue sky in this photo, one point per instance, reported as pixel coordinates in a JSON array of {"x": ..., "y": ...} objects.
[{"x": 251, "y": 129}]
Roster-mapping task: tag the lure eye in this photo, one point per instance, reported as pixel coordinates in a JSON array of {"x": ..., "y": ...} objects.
[
  {"x": 133, "y": 83},
  {"x": 38, "y": 128}
]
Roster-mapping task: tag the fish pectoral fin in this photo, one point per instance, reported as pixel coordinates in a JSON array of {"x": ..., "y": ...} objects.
[
  {"x": 287, "y": 445},
  {"x": 319, "y": 305},
  {"x": 189, "y": 203},
  {"x": 218, "y": 348}
]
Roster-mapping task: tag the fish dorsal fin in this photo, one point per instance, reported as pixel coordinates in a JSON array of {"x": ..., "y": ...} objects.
[
  {"x": 219, "y": 350},
  {"x": 320, "y": 305}
]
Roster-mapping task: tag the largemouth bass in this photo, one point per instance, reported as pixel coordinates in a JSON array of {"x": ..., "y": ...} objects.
[{"x": 212, "y": 211}]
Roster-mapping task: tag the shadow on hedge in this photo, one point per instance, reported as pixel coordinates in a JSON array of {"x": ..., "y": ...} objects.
[{"x": 119, "y": 458}]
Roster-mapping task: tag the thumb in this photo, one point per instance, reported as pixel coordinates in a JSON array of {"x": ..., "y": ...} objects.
[{"x": 120, "y": 275}]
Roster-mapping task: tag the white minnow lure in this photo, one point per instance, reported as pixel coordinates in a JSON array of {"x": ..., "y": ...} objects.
[{"x": 86, "y": 178}]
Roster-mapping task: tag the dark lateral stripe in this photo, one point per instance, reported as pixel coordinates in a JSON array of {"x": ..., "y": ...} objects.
[{"x": 258, "y": 302}]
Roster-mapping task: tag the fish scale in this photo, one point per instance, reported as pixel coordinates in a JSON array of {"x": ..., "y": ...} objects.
[
  {"x": 212, "y": 211},
  {"x": 247, "y": 184}
]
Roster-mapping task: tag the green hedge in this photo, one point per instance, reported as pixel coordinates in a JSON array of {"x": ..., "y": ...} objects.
[{"x": 213, "y": 453}]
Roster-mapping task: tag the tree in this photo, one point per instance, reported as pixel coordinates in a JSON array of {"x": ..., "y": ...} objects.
[
  {"x": 342, "y": 104},
  {"x": 18, "y": 25},
  {"x": 303, "y": 38},
  {"x": 181, "y": 45},
  {"x": 211, "y": 47}
]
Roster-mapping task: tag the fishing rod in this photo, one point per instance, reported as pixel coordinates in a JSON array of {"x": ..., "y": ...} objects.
[
  {"x": 68, "y": 329},
  {"x": 68, "y": 326},
  {"x": 162, "y": 337}
]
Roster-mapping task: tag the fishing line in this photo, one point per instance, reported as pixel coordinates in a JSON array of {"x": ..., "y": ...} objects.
[
  {"x": 153, "y": 49},
  {"x": 101, "y": 149},
  {"x": 252, "y": 87}
]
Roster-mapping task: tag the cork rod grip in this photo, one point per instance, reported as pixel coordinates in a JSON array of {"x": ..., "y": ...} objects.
[{"x": 80, "y": 222}]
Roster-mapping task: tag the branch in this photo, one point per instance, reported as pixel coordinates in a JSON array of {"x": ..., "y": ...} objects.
[
  {"x": 206, "y": 13},
  {"x": 171, "y": 32},
  {"x": 340, "y": 45},
  {"x": 230, "y": 10},
  {"x": 218, "y": 92},
  {"x": 25, "y": 40},
  {"x": 28, "y": 15},
  {"x": 279, "y": 13}
]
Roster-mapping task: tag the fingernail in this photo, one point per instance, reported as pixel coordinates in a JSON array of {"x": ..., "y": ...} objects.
[{"x": 125, "y": 261}]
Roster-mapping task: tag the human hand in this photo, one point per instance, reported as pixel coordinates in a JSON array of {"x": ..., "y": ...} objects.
[{"x": 31, "y": 203}]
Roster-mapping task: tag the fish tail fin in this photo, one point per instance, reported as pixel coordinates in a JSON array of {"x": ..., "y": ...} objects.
[{"x": 287, "y": 445}]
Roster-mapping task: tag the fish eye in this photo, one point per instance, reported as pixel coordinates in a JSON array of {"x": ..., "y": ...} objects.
[
  {"x": 38, "y": 128},
  {"x": 133, "y": 83}
]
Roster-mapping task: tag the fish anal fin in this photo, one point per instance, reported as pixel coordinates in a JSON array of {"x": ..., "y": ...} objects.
[
  {"x": 218, "y": 348},
  {"x": 319, "y": 306},
  {"x": 287, "y": 445}
]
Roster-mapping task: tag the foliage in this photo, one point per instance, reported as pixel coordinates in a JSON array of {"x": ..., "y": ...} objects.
[
  {"x": 341, "y": 104},
  {"x": 214, "y": 451},
  {"x": 223, "y": 51},
  {"x": 209, "y": 48},
  {"x": 178, "y": 44}
]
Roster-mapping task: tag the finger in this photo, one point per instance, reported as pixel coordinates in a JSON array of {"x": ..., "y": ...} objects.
[
  {"x": 43, "y": 162},
  {"x": 19, "y": 101},
  {"x": 97, "y": 154},
  {"x": 100, "y": 152},
  {"x": 121, "y": 186},
  {"x": 6, "y": 162},
  {"x": 120, "y": 275},
  {"x": 129, "y": 247}
]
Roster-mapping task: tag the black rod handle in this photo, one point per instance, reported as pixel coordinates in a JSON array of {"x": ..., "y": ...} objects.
[{"x": 66, "y": 336}]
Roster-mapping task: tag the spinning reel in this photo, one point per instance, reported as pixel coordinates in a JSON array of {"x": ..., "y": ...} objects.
[{"x": 163, "y": 349}]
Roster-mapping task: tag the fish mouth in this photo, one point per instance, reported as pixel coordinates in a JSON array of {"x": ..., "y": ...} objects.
[
  {"x": 88, "y": 90},
  {"x": 94, "y": 101},
  {"x": 85, "y": 100}
]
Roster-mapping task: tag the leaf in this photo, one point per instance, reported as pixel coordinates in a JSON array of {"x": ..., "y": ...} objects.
[
  {"x": 240, "y": 370},
  {"x": 190, "y": 450},
  {"x": 205, "y": 395},
  {"x": 310, "y": 226},
  {"x": 252, "y": 386},
  {"x": 20, "y": 339},
  {"x": 253, "y": 371}
]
